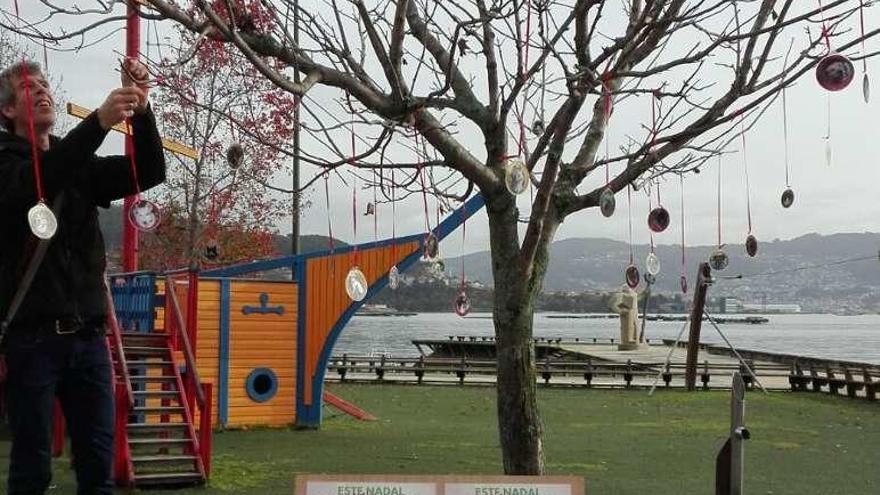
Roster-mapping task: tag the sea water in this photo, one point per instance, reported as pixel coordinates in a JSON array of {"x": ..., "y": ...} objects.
[{"x": 853, "y": 338}]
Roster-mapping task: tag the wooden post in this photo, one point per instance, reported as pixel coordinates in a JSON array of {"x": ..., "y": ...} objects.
[{"x": 690, "y": 376}]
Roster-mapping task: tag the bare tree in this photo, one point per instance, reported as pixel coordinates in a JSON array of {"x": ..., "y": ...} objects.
[
  {"x": 212, "y": 101},
  {"x": 537, "y": 80}
]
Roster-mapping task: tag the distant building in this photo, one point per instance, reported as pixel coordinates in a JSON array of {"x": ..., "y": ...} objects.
[{"x": 734, "y": 305}]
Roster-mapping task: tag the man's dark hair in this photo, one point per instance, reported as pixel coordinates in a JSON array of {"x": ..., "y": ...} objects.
[{"x": 7, "y": 87}]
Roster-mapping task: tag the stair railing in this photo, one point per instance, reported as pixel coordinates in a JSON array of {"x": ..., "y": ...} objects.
[
  {"x": 203, "y": 392},
  {"x": 117, "y": 345}
]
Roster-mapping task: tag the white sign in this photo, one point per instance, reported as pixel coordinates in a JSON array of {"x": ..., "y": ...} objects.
[
  {"x": 508, "y": 489},
  {"x": 388, "y": 487}
]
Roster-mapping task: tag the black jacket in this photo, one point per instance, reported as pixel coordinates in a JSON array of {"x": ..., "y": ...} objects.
[{"x": 70, "y": 281}]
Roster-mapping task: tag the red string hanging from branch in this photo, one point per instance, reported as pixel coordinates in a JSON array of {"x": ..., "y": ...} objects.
[
  {"x": 751, "y": 240},
  {"x": 41, "y": 220},
  {"x": 355, "y": 281},
  {"x": 683, "y": 278},
  {"x": 866, "y": 84},
  {"x": 718, "y": 260},
  {"x": 631, "y": 274},
  {"x": 431, "y": 247},
  {"x": 462, "y": 303}
]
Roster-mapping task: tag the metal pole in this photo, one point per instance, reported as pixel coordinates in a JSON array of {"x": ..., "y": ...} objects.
[
  {"x": 738, "y": 433},
  {"x": 294, "y": 233},
  {"x": 690, "y": 375},
  {"x": 129, "y": 233}
]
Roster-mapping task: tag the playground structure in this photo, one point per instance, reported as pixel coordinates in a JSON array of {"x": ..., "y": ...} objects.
[{"x": 194, "y": 351}]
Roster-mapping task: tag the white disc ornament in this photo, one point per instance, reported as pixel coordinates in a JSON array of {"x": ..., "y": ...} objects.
[
  {"x": 42, "y": 221},
  {"x": 432, "y": 247},
  {"x": 607, "y": 202},
  {"x": 145, "y": 215},
  {"x": 718, "y": 260},
  {"x": 356, "y": 284},
  {"x": 652, "y": 264},
  {"x": 462, "y": 304},
  {"x": 393, "y": 278},
  {"x": 516, "y": 176}
]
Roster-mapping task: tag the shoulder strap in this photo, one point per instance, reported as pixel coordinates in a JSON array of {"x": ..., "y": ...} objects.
[{"x": 28, "y": 278}]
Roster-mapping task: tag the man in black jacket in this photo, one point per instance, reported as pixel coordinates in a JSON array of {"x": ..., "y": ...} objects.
[{"x": 55, "y": 346}]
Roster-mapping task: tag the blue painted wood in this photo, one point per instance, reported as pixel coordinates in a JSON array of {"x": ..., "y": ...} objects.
[{"x": 223, "y": 378}]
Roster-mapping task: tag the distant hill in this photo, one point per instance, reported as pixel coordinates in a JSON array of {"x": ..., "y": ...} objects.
[{"x": 775, "y": 275}]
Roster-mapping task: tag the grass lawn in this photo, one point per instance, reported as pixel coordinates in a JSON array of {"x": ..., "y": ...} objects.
[{"x": 622, "y": 442}]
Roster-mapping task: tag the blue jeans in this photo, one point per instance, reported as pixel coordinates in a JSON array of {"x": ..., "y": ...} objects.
[{"x": 76, "y": 370}]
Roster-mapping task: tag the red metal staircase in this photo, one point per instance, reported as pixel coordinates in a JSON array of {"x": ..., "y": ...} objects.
[{"x": 158, "y": 442}]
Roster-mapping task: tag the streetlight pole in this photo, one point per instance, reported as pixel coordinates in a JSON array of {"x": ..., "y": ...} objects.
[{"x": 294, "y": 234}]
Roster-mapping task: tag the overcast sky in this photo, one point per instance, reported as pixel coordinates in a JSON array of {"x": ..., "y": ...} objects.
[{"x": 839, "y": 198}]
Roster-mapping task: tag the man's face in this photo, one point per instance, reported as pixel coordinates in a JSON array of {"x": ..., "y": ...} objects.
[{"x": 41, "y": 101}]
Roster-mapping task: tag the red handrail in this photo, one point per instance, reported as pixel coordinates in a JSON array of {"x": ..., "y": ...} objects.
[
  {"x": 180, "y": 328},
  {"x": 117, "y": 344}
]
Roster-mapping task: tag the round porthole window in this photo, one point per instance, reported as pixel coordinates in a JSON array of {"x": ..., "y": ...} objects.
[{"x": 262, "y": 384}]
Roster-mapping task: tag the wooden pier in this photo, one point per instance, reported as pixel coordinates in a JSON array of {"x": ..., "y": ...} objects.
[{"x": 597, "y": 363}]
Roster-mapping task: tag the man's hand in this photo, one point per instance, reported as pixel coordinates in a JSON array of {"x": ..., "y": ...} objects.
[
  {"x": 119, "y": 105},
  {"x": 135, "y": 74}
]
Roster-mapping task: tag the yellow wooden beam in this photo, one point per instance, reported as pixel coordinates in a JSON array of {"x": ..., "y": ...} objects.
[{"x": 172, "y": 146}]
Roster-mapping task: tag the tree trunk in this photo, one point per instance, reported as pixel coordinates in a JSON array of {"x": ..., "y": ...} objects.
[{"x": 516, "y": 287}]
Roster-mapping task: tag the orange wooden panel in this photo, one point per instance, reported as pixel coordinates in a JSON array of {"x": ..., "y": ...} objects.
[{"x": 326, "y": 299}]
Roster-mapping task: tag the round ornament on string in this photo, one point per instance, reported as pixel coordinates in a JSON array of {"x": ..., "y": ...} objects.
[
  {"x": 718, "y": 260},
  {"x": 145, "y": 215},
  {"x": 393, "y": 278},
  {"x": 462, "y": 304},
  {"x": 751, "y": 246},
  {"x": 632, "y": 276},
  {"x": 516, "y": 176},
  {"x": 431, "y": 249},
  {"x": 42, "y": 221},
  {"x": 234, "y": 155},
  {"x": 658, "y": 219},
  {"x": 356, "y": 284},
  {"x": 683, "y": 282},
  {"x": 834, "y": 72},
  {"x": 650, "y": 278},
  {"x": 787, "y": 198},
  {"x": 607, "y": 203},
  {"x": 652, "y": 264},
  {"x": 866, "y": 88}
]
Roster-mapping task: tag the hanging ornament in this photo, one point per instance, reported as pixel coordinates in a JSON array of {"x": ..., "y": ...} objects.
[
  {"x": 787, "y": 195},
  {"x": 834, "y": 72},
  {"x": 356, "y": 284},
  {"x": 462, "y": 304},
  {"x": 42, "y": 221},
  {"x": 145, "y": 215},
  {"x": 212, "y": 250},
  {"x": 516, "y": 176},
  {"x": 607, "y": 202},
  {"x": 234, "y": 155},
  {"x": 393, "y": 278},
  {"x": 866, "y": 85},
  {"x": 632, "y": 276},
  {"x": 751, "y": 245},
  {"x": 431, "y": 247},
  {"x": 652, "y": 264},
  {"x": 371, "y": 210},
  {"x": 538, "y": 127},
  {"x": 650, "y": 278},
  {"x": 683, "y": 281},
  {"x": 658, "y": 219},
  {"x": 718, "y": 260},
  {"x": 787, "y": 198}
]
